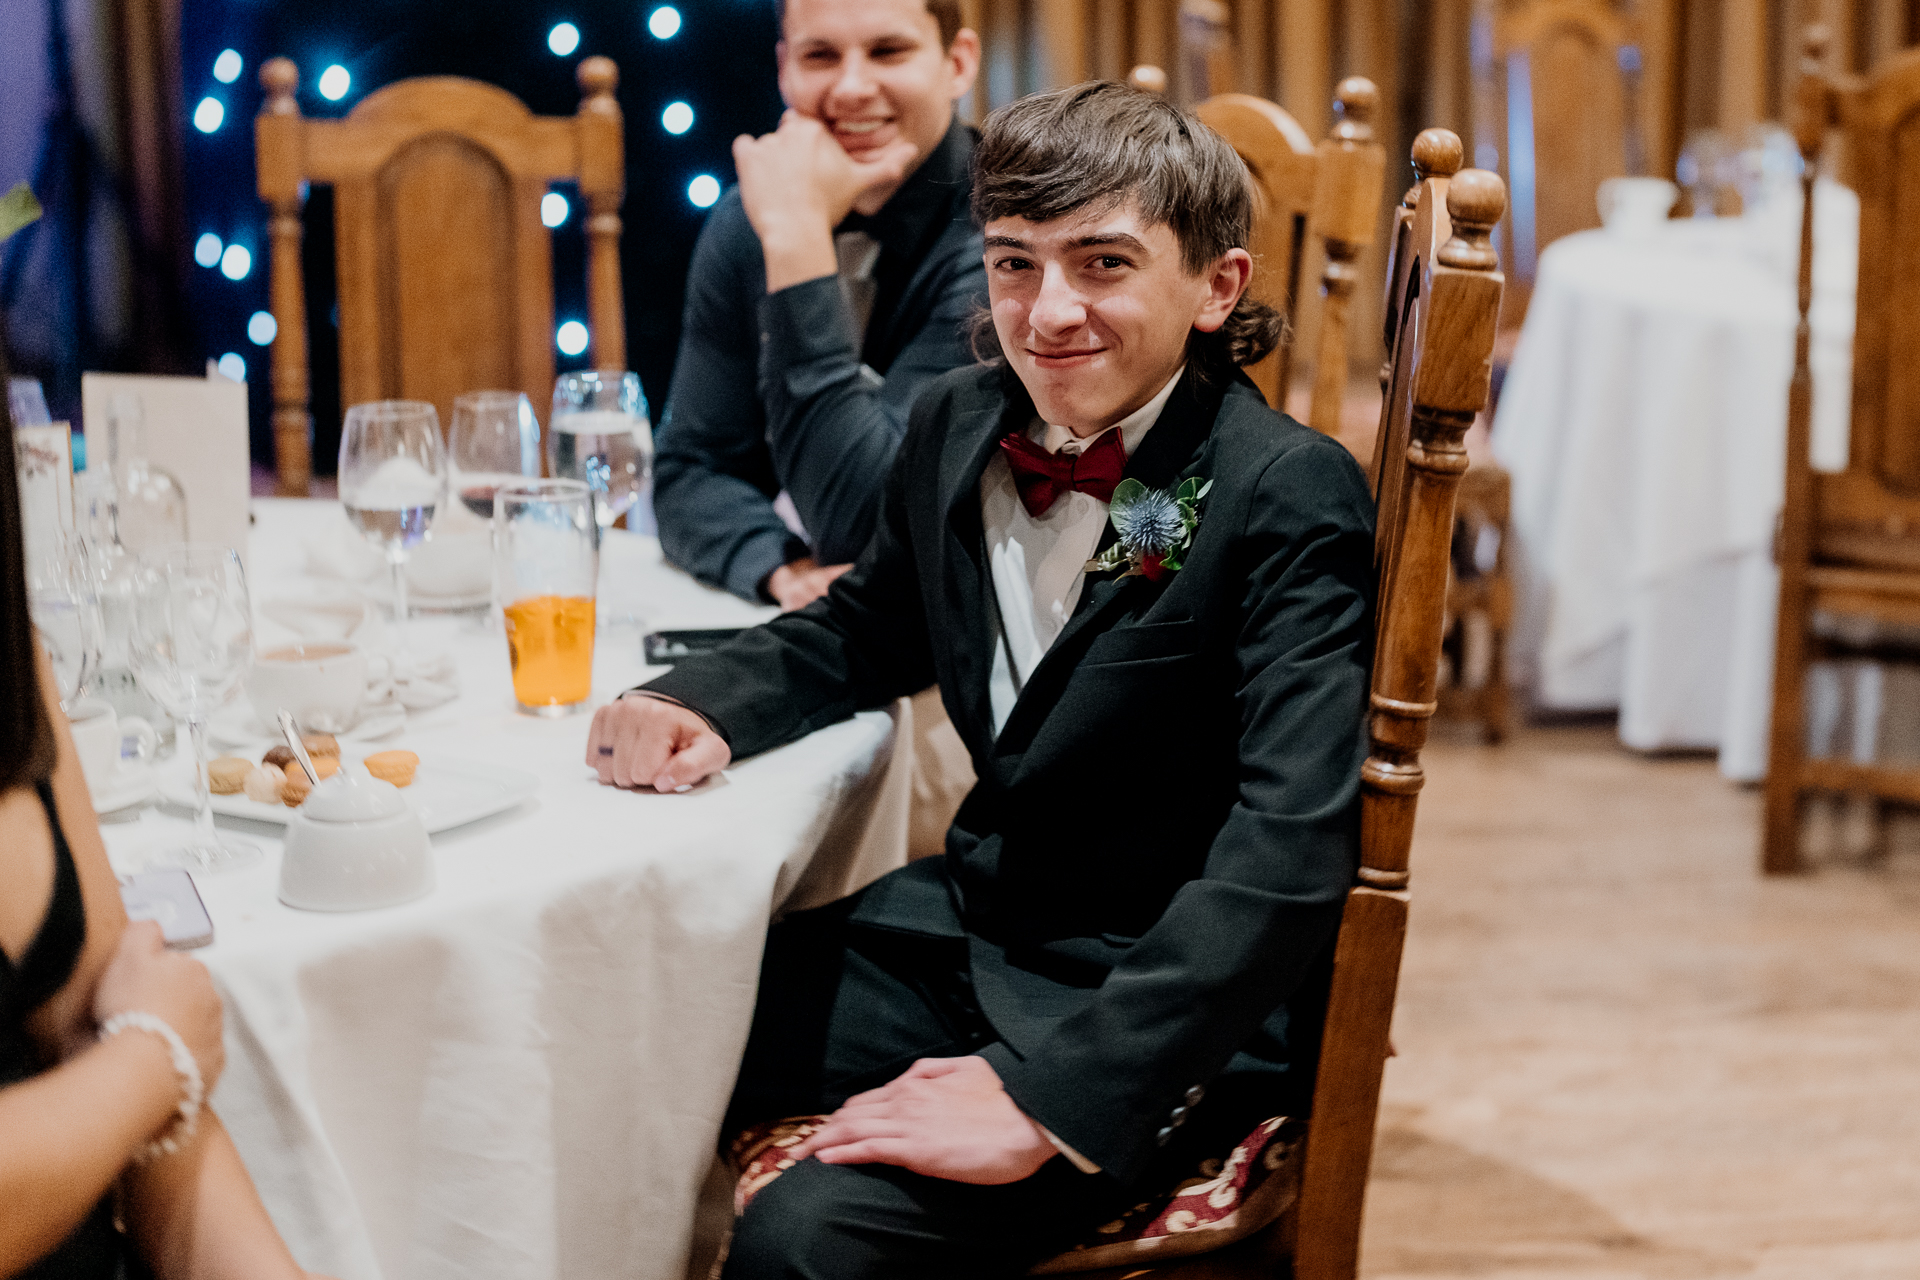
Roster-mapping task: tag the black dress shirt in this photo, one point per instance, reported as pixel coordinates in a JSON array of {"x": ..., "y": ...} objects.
[{"x": 780, "y": 391}]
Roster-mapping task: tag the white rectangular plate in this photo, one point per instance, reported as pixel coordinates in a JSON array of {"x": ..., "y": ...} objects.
[{"x": 445, "y": 793}]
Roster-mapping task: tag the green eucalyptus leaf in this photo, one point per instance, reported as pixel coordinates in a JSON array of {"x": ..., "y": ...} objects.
[
  {"x": 18, "y": 208},
  {"x": 1189, "y": 489},
  {"x": 1126, "y": 493},
  {"x": 1203, "y": 491}
]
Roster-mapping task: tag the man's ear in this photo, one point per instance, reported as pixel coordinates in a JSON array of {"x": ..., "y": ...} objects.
[
  {"x": 1227, "y": 280},
  {"x": 963, "y": 62},
  {"x": 780, "y": 70}
]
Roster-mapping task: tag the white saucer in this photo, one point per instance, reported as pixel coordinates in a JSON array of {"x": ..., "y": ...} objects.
[
  {"x": 236, "y": 725},
  {"x": 133, "y": 784}
]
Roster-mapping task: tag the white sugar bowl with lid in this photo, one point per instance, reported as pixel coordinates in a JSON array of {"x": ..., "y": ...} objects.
[{"x": 355, "y": 844}]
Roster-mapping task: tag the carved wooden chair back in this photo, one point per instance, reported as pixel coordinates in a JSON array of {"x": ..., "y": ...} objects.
[
  {"x": 1850, "y": 540},
  {"x": 1558, "y": 99},
  {"x": 445, "y": 268},
  {"x": 1332, "y": 192},
  {"x": 1448, "y": 287},
  {"x": 1479, "y": 616}
]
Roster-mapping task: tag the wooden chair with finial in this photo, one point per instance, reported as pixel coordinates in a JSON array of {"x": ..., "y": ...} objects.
[
  {"x": 1849, "y": 540},
  {"x": 1287, "y": 1202},
  {"x": 445, "y": 268},
  {"x": 1480, "y": 582}
]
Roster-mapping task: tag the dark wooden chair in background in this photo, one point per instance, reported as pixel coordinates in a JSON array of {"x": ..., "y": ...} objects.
[
  {"x": 1313, "y": 1178},
  {"x": 1849, "y": 541},
  {"x": 445, "y": 268}
]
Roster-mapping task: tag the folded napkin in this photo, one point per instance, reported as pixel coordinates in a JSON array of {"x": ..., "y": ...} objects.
[{"x": 455, "y": 564}]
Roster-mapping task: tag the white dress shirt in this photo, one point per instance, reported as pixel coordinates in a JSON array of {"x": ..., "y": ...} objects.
[{"x": 1038, "y": 563}]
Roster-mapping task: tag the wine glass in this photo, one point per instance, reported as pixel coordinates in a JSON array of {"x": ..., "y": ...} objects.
[
  {"x": 494, "y": 439},
  {"x": 64, "y": 602},
  {"x": 601, "y": 434},
  {"x": 190, "y": 644},
  {"x": 393, "y": 475}
]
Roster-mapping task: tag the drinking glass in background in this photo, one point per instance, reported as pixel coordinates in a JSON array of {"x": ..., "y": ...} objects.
[
  {"x": 545, "y": 563},
  {"x": 601, "y": 434},
  {"x": 64, "y": 600},
  {"x": 27, "y": 402},
  {"x": 148, "y": 505},
  {"x": 494, "y": 439},
  {"x": 393, "y": 476},
  {"x": 190, "y": 645}
]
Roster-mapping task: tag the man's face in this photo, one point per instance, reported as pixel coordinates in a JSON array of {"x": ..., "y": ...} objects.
[
  {"x": 874, "y": 72},
  {"x": 1093, "y": 309}
]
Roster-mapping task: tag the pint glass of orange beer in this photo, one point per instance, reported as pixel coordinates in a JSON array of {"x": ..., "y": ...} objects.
[{"x": 544, "y": 567}]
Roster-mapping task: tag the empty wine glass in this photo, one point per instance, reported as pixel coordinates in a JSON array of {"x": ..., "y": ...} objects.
[
  {"x": 190, "y": 645},
  {"x": 64, "y": 601},
  {"x": 494, "y": 439},
  {"x": 393, "y": 476}
]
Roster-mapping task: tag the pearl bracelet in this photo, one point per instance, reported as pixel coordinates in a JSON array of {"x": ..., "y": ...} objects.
[{"x": 193, "y": 1090}]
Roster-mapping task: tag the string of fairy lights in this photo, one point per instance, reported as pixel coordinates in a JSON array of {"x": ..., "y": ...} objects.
[{"x": 235, "y": 260}]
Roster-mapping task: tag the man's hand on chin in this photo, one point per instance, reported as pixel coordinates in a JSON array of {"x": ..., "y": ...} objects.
[
  {"x": 796, "y": 185},
  {"x": 945, "y": 1118}
]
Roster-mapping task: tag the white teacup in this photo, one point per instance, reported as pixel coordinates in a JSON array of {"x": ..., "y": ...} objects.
[
  {"x": 1635, "y": 206},
  {"x": 323, "y": 684},
  {"x": 104, "y": 739}
]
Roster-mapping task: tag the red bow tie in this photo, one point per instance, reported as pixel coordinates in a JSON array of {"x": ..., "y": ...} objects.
[{"x": 1041, "y": 477}]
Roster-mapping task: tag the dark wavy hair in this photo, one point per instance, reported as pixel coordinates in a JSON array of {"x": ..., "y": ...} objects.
[
  {"x": 26, "y": 734},
  {"x": 1102, "y": 144}
]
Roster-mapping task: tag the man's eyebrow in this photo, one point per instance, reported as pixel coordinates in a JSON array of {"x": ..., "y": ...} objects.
[{"x": 1116, "y": 239}]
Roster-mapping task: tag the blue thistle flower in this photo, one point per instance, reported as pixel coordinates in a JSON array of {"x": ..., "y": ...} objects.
[{"x": 1150, "y": 524}]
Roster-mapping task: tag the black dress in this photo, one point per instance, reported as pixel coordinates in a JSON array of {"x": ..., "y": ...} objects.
[{"x": 95, "y": 1250}]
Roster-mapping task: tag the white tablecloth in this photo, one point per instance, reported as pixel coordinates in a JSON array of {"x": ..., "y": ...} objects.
[
  {"x": 1644, "y": 422},
  {"x": 522, "y": 1075}
]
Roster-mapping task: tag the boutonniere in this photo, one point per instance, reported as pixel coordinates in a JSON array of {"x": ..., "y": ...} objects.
[{"x": 1153, "y": 528}]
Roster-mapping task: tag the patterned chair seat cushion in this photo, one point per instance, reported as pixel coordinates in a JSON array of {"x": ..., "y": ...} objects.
[{"x": 1225, "y": 1200}]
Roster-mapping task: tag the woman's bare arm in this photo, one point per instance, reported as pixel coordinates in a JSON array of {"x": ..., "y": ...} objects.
[{"x": 194, "y": 1214}]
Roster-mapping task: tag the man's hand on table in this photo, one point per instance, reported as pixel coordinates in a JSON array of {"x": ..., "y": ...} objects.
[
  {"x": 796, "y": 185},
  {"x": 945, "y": 1118},
  {"x": 800, "y": 583},
  {"x": 646, "y": 742}
]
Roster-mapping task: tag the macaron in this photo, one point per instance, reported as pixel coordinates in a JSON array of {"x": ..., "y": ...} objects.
[
  {"x": 227, "y": 775},
  {"x": 320, "y": 744},
  {"x": 263, "y": 783}
]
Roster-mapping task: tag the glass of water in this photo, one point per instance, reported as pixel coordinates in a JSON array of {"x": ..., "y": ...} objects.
[
  {"x": 393, "y": 476},
  {"x": 601, "y": 434}
]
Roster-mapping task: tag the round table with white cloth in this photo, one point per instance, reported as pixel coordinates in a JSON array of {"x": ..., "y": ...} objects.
[
  {"x": 1643, "y": 419},
  {"x": 523, "y": 1073}
]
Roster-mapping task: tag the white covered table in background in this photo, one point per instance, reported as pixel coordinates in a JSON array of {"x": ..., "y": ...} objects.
[
  {"x": 523, "y": 1074},
  {"x": 1644, "y": 422}
]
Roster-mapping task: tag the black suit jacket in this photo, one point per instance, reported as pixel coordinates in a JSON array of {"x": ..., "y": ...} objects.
[{"x": 1154, "y": 860}]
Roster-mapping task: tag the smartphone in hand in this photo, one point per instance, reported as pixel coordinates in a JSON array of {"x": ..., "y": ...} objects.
[{"x": 167, "y": 897}]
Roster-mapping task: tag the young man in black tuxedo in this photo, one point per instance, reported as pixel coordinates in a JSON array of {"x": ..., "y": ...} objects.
[{"x": 1118, "y": 968}]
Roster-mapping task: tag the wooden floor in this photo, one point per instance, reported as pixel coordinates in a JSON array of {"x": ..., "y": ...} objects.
[{"x": 1623, "y": 1054}]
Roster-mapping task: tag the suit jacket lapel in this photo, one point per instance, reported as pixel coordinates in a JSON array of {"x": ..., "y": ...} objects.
[
  {"x": 969, "y": 447},
  {"x": 1169, "y": 450}
]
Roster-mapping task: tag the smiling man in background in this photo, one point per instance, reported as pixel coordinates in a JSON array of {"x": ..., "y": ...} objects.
[{"x": 826, "y": 290}]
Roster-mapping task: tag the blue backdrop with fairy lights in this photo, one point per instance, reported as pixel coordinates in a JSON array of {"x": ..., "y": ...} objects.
[{"x": 717, "y": 61}]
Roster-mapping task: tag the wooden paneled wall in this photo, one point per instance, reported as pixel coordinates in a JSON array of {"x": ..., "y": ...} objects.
[{"x": 1683, "y": 66}]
